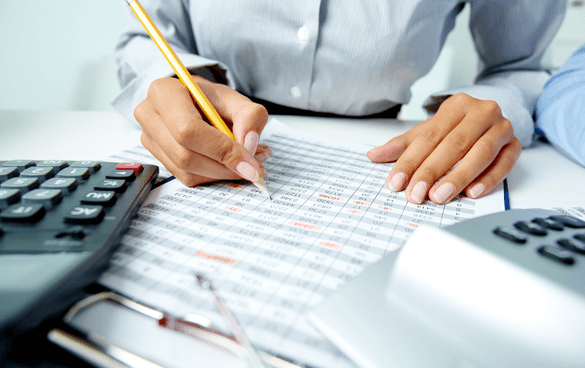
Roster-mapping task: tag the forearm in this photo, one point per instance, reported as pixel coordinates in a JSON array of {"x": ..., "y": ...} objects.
[
  {"x": 140, "y": 62},
  {"x": 515, "y": 92},
  {"x": 510, "y": 39}
]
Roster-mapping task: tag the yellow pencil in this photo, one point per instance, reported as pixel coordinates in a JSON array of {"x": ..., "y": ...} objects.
[{"x": 185, "y": 77}]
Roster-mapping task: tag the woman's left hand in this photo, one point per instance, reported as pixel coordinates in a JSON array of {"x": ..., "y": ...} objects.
[{"x": 467, "y": 144}]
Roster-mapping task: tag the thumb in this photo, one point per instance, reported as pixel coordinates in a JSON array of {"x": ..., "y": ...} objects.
[
  {"x": 390, "y": 151},
  {"x": 247, "y": 119},
  {"x": 395, "y": 147}
]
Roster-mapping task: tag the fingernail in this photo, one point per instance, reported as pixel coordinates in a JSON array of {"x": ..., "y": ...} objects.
[
  {"x": 251, "y": 142},
  {"x": 397, "y": 182},
  {"x": 476, "y": 190},
  {"x": 443, "y": 192},
  {"x": 247, "y": 171},
  {"x": 419, "y": 191},
  {"x": 261, "y": 157}
]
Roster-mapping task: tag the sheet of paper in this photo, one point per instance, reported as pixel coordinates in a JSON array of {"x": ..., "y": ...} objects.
[
  {"x": 330, "y": 217},
  {"x": 572, "y": 208}
]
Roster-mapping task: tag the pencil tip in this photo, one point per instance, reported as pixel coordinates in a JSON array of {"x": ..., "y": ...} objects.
[{"x": 261, "y": 184}]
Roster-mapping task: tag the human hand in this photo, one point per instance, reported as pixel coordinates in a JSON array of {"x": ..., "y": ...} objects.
[
  {"x": 195, "y": 152},
  {"x": 465, "y": 131}
]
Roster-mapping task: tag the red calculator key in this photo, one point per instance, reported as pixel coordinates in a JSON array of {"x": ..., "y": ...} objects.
[{"x": 134, "y": 166}]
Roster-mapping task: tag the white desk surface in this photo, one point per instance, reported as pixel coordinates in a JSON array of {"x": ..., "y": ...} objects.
[{"x": 541, "y": 172}]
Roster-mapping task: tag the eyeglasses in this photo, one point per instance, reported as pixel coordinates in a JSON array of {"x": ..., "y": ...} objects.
[{"x": 100, "y": 351}]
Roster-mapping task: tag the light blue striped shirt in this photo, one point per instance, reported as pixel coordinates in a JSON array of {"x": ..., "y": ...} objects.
[
  {"x": 561, "y": 108},
  {"x": 345, "y": 57}
]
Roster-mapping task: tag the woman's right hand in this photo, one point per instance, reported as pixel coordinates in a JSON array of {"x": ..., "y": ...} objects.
[{"x": 195, "y": 152}]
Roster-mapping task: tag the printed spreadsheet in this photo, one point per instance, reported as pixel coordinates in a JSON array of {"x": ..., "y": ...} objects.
[{"x": 330, "y": 217}]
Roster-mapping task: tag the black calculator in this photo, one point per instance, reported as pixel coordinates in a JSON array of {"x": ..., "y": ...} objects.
[{"x": 59, "y": 223}]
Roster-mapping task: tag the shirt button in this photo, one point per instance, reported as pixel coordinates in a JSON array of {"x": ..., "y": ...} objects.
[
  {"x": 295, "y": 91},
  {"x": 303, "y": 33}
]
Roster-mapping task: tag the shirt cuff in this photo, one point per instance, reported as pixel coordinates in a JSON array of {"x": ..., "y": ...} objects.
[
  {"x": 561, "y": 121},
  {"x": 135, "y": 92}
]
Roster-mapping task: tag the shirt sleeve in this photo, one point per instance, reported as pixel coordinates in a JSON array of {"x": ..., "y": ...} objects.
[
  {"x": 510, "y": 38},
  {"x": 140, "y": 62},
  {"x": 560, "y": 114}
]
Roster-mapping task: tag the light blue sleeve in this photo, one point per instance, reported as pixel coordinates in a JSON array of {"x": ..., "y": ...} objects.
[{"x": 560, "y": 114}]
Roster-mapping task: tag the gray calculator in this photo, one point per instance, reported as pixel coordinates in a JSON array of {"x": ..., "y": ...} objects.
[{"x": 59, "y": 223}]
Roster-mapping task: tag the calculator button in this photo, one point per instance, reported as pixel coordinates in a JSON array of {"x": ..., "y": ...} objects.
[
  {"x": 55, "y": 164},
  {"x": 134, "y": 166},
  {"x": 22, "y": 184},
  {"x": 46, "y": 197},
  {"x": 102, "y": 198},
  {"x": 41, "y": 173},
  {"x": 74, "y": 232},
  {"x": 92, "y": 166},
  {"x": 23, "y": 212},
  {"x": 20, "y": 164},
  {"x": 530, "y": 228},
  {"x": 117, "y": 186},
  {"x": 8, "y": 172},
  {"x": 80, "y": 173},
  {"x": 127, "y": 175},
  {"x": 557, "y": 254},
  {"x": 510, "y": 234},
  {"x": 569, "y": 221},
  {"x": 8, "y": 197},
  {"x": 85, "y": 214},
  {"x": 66, "y": 185},
  {"x": 572, "y": 244},
  {"x": 548, "y": 223}
]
